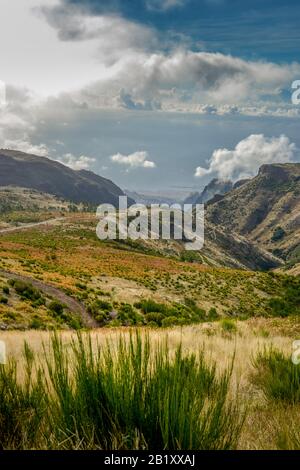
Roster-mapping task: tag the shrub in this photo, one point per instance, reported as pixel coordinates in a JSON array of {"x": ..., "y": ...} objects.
[
  {"x": 56, "y": 307},
  {"x": 169, "y": 321},
  {"x": 81, "y": 286},
  {"x": 129, "y": 397},
  {"x": 3, "y": 300},
  {"x": 212, "y": 314},
  {"x": 99, "y": 307},
  {"x": 36, "y": 324},
  {"x": 228, "y": 326},
  {"x": 26, "y": 291},
  {"x": 150, "y": 305},
  {"x": 277, "y": 376},
  {"x": 129, "y": 316},
  {"x": 6, "y": 290},
  {"x": 154, "y": 317},
  {"x": 278, "y": 234}
]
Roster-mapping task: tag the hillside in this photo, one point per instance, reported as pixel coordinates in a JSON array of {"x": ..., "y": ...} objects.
[
  {"x": 48, "y": 176},
  {"x": 266, "y": 210}
]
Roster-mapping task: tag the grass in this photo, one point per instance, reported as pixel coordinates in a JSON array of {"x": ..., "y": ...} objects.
[
  {"x": 57, "y": 255},
  {"x": 267, "y": 420},
  {"x": 129, "y": 397},
  {"x": 277, "y": 376}
]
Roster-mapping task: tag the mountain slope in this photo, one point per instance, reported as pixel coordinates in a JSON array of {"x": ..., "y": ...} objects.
[
  {"x": 45, "y": 175},
  {"x": 266, "y": 210}
]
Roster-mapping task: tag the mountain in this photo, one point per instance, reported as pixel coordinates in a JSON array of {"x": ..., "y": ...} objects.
[
  {"x": 215, "y": 186},
  {"x": 42, "y": 174},
  {"x": 149, "y": 198},
  {"x": 265, "y": 210}
]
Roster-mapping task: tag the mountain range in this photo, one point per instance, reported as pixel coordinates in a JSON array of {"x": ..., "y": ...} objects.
[
  {"x": 20, "y": 169},
  {"x": 252, "y": 224}
]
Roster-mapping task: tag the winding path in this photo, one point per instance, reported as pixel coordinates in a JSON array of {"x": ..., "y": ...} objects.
[{"x": 73, "y": 304}]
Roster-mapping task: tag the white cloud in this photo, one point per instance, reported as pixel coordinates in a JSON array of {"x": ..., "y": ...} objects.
[
  {"x": 248, "y": 155},
  {"x": 27, "y": 147},
  {"x": 164, "y": 5},
  {"x": 184, "y": 80},
  {"x": 111, "y": 35},
  {"x": 76, "y": 163},
  {"x": 134, "y": 160}
]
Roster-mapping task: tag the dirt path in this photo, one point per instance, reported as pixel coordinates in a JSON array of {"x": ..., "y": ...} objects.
[
  {"x": 73, "y": 304},
  {"x": 32, "y": 225}
]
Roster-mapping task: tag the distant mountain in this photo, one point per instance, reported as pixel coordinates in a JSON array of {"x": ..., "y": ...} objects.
[
  {"x": 265, "y": 210},
  {"x": 150, "y": 198},
  {"x": 45, "y": 175},
  {"x": 192, "y": 198},
  {"x": 213, "y": 188}
]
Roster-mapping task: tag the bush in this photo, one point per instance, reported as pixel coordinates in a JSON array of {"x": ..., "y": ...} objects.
[
  {"x": 228, "y": 326},
  {"x": 212, "y": 314},
  {"x": 277, "y": 376},
  {"x": 129, "y": 316},
  {"x": 3, "y": 300},
  {"x": 129, "y": 397},
  {"x": 26, "y": 291},
  {"x": 169, "y": 321},
  {"x": 149, "y": 305},
  {"x": 154, "y": 317},
  {"x": 57, "y": 308},
  {"x": 6, "y": 290},
  {"x": 278, "y": 234},
  {"x": 99, "y": 307}
]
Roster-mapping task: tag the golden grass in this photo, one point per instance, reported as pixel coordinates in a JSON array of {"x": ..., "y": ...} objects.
[{"x": 264, "y": 420}]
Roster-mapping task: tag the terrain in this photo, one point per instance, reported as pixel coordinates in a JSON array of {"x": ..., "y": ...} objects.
[
  {"x": 44, "y": 175},
  {"x": 265, "y": 210},
  {"x": 201, "y": 340}
]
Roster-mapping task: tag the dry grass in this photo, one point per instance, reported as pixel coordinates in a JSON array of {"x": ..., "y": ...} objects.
[{"x": 264, "y": 419}]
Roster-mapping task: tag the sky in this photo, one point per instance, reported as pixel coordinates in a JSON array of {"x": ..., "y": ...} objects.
[{"x": 153, "y": 94}]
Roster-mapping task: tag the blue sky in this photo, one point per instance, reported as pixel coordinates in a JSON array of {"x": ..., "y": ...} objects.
[
  {"x": 154, "y": 94},
  {"x": 251, "y": 29}
]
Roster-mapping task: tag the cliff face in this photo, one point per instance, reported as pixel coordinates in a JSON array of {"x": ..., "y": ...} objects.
[{"x": 265, "y": 209}]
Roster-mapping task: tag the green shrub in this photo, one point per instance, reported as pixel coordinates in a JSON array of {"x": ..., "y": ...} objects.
[
  {"x": 149, "y": 305},
  {"x": 154, "y": 317},
  {"x": 125, "y": 397},
  {"x": 278, "y": 234},
  {"x": 129, "y": 316},
  {"x": 26, "y": 291},
  {"x": 212, "y": 314},
  {"x": 81, "y": 286},
  {"x": 56, "y": 307},
  {"x": 36, "y": 324},
  {"x": 228, "y": 326},
  {"x": 99, "y": 307},
  {"x": 3, "y": 300},
  {"x": 277, "y": 376},
  {"x": 169, "y": 321},
  {"x": 5, "y": 290}
]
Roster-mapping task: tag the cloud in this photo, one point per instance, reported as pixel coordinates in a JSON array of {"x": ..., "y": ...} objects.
[
  {"x": 248, "y": 155},
  {"x": 111, "y": 33},
  {"x": 134, "y": 160},
  {"x": 27, "y": 147},
  {"x": 76, "y": 163},
  {"x": 183, "y": 80},
  {"x": 164, "y": 5}
]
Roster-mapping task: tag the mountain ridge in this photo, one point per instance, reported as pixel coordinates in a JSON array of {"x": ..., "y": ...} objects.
[{"x": 43, "y": 174}]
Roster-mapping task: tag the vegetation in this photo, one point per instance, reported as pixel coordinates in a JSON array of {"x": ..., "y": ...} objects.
[
  {"x": 277, "y": 376},
  {"x": 129, "y": 398}
]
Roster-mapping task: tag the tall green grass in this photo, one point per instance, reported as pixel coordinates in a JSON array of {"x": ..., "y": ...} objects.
[
  {"x": 277, "y": 376},
  {"x": 124, "y": 396}
]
